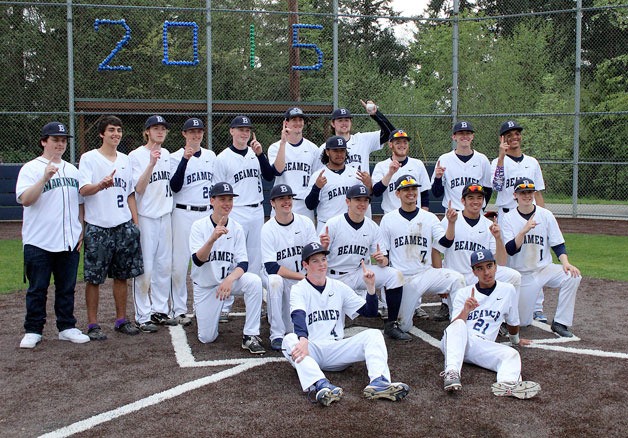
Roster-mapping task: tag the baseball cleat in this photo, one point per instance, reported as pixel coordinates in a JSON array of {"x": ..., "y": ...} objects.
[
  {"x": 421, "y": 314},
  {"x": 521, "y": 390},
  {"x": 276, "y": 344},
  {"x": 147, "y": 327},
  {"x": 392, "y": 330},
  {"x": 442, "y": 314},
  {"x": 561, "y": 330},
  {"x": 503, "y": 330},
  {"x": 539, "y": 316},
  {"x": 451, "y": 380},
  {"x": 30, "y": 340},
  {"x": 183, "y": 320},
  {"x": 73, "y": 335},
  {"x": 382, "y": 388},
  {"x": 253, "y": 344},
  {"x": 162, "y": 319},
  {"x": 326, "y": 393}
]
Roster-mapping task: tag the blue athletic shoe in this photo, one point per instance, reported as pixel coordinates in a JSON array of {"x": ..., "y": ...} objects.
[
  {"x": 539, "y": 316},
  {"x": 325, "y": 392},
  {"x": 382, "y": 388}
]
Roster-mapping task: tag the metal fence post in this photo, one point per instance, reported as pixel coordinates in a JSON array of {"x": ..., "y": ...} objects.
[
  {"x": 454, "y": 68},
  {"x": 69, "y": 29},
  {"x": 335, "y": 55},
  {"x": 208, "y": 53},
  {"x": 576, "y": 120}
]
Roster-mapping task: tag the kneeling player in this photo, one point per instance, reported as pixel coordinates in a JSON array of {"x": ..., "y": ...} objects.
[
  {"x": 218, "y": 248},
  {"x": 471, "y": 335},
  {"x": 318, "y": 307}
]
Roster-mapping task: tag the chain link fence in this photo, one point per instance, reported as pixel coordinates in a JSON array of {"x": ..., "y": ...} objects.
[{"x": 558, "y": 70}]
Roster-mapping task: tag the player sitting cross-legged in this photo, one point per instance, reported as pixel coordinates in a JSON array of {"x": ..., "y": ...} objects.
[
  {"x": 470, "y": 338},
  {"x": 318, "y": 306}
]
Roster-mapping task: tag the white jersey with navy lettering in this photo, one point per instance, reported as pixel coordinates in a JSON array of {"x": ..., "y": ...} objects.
[
  {"x": 301, "y": 160},
  {"x": 52, "y": 222},
  {"x": 243, "y": 173},
  {"x": 528, "y": 167},
  {"x": 156, "y": 200},
  {"x": 198, "y": 179},
  {"x": 500, "y": 306},
  {"x": 535, "y": 250},
  {"x": 458, "y": 174},
  {"x": 410, "y": 242},
  {"x": 283, "y": 243},
  {"x": 333, "y": 194},
  {"x": 413, "y": 166},
  {"x": 108, "y": 208},
  {"x": 325, "y": 311},
  {"x": 359, "y": 148},
  {"x": 467, "y": 240},
  {"x": 226, "y": 253}
]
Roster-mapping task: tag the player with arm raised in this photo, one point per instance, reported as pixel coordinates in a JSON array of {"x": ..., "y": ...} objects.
[
  {"x": 410, "y": 233},
  {"x": 480, "y": 309},
  {"x": 283, "y": 237},
  {"x": 318, "y": 306},
  {"x": 529, "y": 232},
  {"x": 353, "y": 238},
  {"x": 192, "y": 176}
]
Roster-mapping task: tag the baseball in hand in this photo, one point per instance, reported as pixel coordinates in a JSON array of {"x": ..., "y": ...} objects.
[{"x": 370, "y": 107}]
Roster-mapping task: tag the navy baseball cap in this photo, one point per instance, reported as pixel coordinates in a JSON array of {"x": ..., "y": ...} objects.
[
  {"x": 463, "y": 126},
  {"x": 281, "y": 190},
  {"x": 336, "y": 142},
  {"x": 399, "y": 133},
  {"x": 193, "y": 123},
  {"x": 472, "y": 188},
  {"x": 524, "y": 185},
  {"x": 405, "y": 181},
  {"x": 294, "y": 112},
  {"x": 57, "y": 129},
  {"x": 509, "y": 125},
  {"x": 358, "y": 191},
  {"x": 222, "y": 189},
  {"x": 156, "y": 120},
  {"x": 481, "y": 256},
  {"x": 341, "y": 113},
  {"x": 241, "y": 122},
  {"x": 312, "y": 248}
]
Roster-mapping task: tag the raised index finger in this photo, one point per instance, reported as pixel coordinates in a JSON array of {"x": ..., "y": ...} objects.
[
  {"x": 112, "y": 173},
  {"x": 363, "y": 266},
  {"x": 472, "y": 292},
  {"x": 223, "y": 221},
  {"x": 449, "y": 206}
]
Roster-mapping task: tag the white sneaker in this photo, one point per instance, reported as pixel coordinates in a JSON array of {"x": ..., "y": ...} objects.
[
  {"x": 73, "y": 335},
  {"x": 30, "y": 340}
]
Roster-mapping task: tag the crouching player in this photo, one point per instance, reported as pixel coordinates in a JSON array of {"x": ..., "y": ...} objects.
[
  {"x": 318, "y": 306},
  {"x": 480, "y": 310}
]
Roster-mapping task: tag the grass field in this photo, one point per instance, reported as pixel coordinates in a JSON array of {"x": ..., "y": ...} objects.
[
  {"x": 597, "y": 256},
  {"x": 564, "y": 199}
]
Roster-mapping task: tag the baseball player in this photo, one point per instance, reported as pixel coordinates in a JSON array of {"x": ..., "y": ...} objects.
[
  {"x": 318, "y": 305},
  {"x": 112, "y": 238},
  {"x": 462, "y": 166},
  {"x": 400, "y": 163},
  {"x": 295, "y": 157},
  {"x": 410, "y": 233},
  {"x": 153, "y": 201},
  {"x": 530, "y": 231},
  {"x": 192, "y": 176},
  {"x": 480, "y": 310},
  {"x": 352, "y": 238},
  {"x": 329, "y": 185},
  {"x": 52, "y": 234},
  {"x": 219, "y": 270},
  {"x": 473, "y": 232},
  {"x": 283, "y": 237}
]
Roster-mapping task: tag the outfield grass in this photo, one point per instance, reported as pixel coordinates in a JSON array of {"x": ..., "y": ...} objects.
[
  {"x": 597, "y": 256},
  {"x": 563, "y": 199}
]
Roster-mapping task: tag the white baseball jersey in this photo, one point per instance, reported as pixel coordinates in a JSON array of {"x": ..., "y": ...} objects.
[
  {"x": 108, "y": 208},
  {"x": 325, "y": 312},
  {"x": 413, "y": 166},
  {"x": 198, "y": 178},
  {"x": 226, "y": 253},
  {"x": 410, "y": 242},
  {"x": 528, "y": 167},
  {"x": 359, "y": 147},
  {"x": 243, "y": 173},
  {"x": 283, "y": 243},
  {"x": 333, "y": 194},
  {"x": 467, "y": 240},
  {"x": 157, "y": 198},
  {"x": 52, "y": 222},
  {"x": 500, "y": 306},
  {"x": 458, "y": 174},
  {"x": 348, "y": 246},
  {"x": 535, "y": 251},
  {"x": 301, "y": 160}
]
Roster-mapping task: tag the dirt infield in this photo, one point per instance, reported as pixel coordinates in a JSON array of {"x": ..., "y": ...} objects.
[{"x": 169, "y": 384}]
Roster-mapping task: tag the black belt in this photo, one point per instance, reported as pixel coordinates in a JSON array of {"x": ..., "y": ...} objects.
[
  {"x": 254, "y": 205},
  {"x": 332, "y": 272},
  {"x": 191, "y": 207}
]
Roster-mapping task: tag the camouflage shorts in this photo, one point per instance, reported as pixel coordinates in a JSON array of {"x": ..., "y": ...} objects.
[{"x": 113, "y": 252}]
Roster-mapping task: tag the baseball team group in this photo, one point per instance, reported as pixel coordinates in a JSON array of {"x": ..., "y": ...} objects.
[{"x": 145, "y": 217}]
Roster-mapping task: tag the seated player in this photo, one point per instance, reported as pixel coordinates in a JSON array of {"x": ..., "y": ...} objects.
[
  {"x": 480, "y": 310},
  {"x": 318, "y": 307}
]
